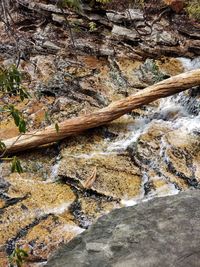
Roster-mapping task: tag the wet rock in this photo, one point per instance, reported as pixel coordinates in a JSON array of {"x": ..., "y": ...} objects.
[
  {"x": 149, "y": 72},
  {"x": 3, "y": 258},
  {"x": 127, "y": 68},
  {"x": 116, "y": 176},
  {"x": 184, "y": 154},
  {"x": 157, "y": 233},
  {"x": 169, "y": 66},
  {"x": 28, "y": 204},
  {"x": 178, "y": 154},
  {"x": 4, "y": 185},
  {"x": 39, "y": 240}
]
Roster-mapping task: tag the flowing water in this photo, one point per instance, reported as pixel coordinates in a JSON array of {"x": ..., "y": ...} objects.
[{"x": 151, "y": 152}]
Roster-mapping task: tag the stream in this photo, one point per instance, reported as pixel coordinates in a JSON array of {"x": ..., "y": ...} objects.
[{"x": 153, "y": 151}]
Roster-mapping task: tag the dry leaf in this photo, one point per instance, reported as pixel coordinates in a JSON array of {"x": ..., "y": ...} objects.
[
  {"x": 176, "y": 5},
  {"x": 89, "y": 181}
]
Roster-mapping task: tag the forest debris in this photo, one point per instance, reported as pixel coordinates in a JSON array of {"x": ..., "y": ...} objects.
[{"x": 90, "y": 180}]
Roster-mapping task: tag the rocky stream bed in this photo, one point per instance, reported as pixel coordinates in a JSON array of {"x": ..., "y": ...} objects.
[{"x": 151, "y": 152}]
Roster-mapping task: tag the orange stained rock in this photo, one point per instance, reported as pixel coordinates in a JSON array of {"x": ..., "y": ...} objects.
[
  {"x": 3, "y": 259},
  {"x": 8, "y": 129}
]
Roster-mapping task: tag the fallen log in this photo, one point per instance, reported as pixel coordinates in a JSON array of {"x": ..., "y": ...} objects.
[{"x": 116, "y": 109}]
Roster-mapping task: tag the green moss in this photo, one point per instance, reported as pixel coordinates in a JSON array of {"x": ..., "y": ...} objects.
[
  {"x": 193, "y": 9},
  {"x": 103, "y": 1}
]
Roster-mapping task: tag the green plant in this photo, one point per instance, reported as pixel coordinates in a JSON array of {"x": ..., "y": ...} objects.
[
  {"x": 18, "y": 257},
  {"x": 18, "y": 119},
  {"x": 11, "y": 85},
  {"x": 2, "y": 145},
  {"x": 103, "y": 1},
  {"x": 16, "y": 165},
  {"x": 11, "y": 82},
  {"x": 157, "y": 74},
  {"x": 57, "y": 127},
  {"x": 92, "y": 26}
]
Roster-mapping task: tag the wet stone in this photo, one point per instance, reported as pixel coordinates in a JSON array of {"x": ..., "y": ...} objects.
[{"x": 116, "y": 175}]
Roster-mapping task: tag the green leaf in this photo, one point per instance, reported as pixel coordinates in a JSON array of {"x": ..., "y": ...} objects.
[
  {"x": 46, "y": 115},
  {"x": 22, "y": 126},
  {"x": 57, "y": 127},
  {"x": 23, "y": 94},
  {"x": 16, "y": 166},
  {"x": 18, "y": 257},
  {"x": 92, "y": 26},
  {"x": 2, "y": 146},
  {"x": 11, "y": 82},
  {"x": 18, "y": 119},
  {"x": 23, "y": 253},
  {"x": 15, "y": 115},
  {"x": 13, "y": 166}
]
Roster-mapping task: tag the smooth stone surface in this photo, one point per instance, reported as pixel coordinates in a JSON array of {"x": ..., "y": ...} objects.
[
  {"x": 125, "y": 33},
  {"x": 162, "y": 232}
]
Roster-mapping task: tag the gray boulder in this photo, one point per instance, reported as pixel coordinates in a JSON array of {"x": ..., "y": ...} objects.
[
  {"x": 128, "y": 15},
  {"x": 162, "y": 232},
  {"x": 123, "y": 33}
]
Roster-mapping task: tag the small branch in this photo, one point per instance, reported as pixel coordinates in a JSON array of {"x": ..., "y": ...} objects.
[{"x": 70, "y": 30}]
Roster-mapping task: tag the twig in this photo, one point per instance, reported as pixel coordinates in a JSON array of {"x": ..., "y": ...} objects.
[{"x": 70, "y": 30}]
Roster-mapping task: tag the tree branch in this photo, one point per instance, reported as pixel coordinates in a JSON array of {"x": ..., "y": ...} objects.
[{"x": 116, "y": 109}]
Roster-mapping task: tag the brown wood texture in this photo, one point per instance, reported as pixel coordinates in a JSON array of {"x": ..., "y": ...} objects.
[{"x": 116, "y": 109}]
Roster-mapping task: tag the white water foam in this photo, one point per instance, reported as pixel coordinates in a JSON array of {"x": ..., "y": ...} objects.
[
  {"x": 72, "y": 228},
  {"x": 165, "y": 190},
  {"x": 133, "y": 201},
  {"x": 188, "y": 124},
  {"x": 135, "y": 130},
  {"x": 54, "y": 172},
  {"x": 171, "y": 105},
  {"x": 190, "y": 64},
  {"x": 56, "y": 210},
  {"x": 88, "y": 155}
]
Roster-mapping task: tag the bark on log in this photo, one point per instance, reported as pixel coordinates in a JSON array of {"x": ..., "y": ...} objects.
[{"x": 116, "y": 109}]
